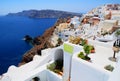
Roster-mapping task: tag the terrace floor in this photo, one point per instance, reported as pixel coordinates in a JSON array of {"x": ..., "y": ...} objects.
[{"x": 102, "y": 55}]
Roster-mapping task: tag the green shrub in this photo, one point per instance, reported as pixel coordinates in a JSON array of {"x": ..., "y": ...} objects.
[
  {"x": 81, "y": 55},
  {"x": 56, "y": 67},
  {"x": 51, "y": 66},
  {"x": 83, "y": 42},
  {"x": 109, "y": 68},
  {"x": 87, "y": 49},
  {"x": 117, "y": 33}
]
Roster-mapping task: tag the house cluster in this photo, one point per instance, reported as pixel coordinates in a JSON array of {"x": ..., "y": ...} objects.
[{"x": 98, "y": 24}]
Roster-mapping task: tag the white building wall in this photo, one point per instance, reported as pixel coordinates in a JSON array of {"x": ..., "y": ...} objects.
[
  {"x": 68, "y": 61},
  {"x": 84, "y": 71},
  {"x": 51, "y": 76},
  {"x": 67, "y": 65},
  {"x": 41, "y": 75}
]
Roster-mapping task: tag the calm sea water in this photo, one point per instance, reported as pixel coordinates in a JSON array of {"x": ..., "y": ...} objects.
[{"x": 12, "y": 31}]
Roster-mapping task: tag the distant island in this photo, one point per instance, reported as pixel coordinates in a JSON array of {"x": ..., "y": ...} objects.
[{"x": 45, "y": 14}]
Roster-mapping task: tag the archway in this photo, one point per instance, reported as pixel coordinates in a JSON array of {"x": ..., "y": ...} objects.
[
  {"x": 59, "y": 61},
  {"x": 59, "y": 54}
]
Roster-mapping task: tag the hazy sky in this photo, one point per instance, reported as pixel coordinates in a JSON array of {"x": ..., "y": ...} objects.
[{"x": 7, "y": 6}]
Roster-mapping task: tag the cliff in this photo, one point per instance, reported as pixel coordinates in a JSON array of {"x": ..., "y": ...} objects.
[
  {"x": 41, "y": 42},
  {"x": 45, "y": 14}
]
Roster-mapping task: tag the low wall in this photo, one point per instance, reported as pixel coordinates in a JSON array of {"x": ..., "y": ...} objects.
[
  {"x": 85, "y": 71},
  {"x": 51, "y": 76},
  {"x": 105, "y": 44},
  {"x": 41, "y": 75}
]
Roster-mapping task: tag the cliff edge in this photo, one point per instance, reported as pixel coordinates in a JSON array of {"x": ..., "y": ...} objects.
[{"x": 40, "y": 43}]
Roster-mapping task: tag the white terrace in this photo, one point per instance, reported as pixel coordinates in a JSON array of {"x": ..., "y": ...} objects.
[{"x": 75, "y": 68}]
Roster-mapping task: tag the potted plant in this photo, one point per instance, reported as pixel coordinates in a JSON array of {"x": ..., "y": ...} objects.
[
  {"x": 87, "y": 50},
  {"x": 56, "y": 67},
  {"x": 51, "y": 66},
  {"x": 109, "y": 68},
  {"x": 83, "y": 42},
  {"x": 92, "y": 49},
  {"x": 81, "y": 55},
  {"x": 117, "y": 34}
]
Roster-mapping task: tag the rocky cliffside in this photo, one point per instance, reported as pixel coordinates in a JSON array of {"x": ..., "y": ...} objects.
[{"x": 40, "y": 43}]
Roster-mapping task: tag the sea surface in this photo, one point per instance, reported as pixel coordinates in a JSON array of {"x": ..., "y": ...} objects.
[{"x": 12, "y": 31}]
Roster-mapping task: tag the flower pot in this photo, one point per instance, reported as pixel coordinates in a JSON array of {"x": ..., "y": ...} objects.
[
  {"x": 87, "y": 58},
  {"x": 93, "y": 51}
]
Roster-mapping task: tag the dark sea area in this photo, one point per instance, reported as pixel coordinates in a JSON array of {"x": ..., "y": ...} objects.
[{"x": 12, "y": 31}]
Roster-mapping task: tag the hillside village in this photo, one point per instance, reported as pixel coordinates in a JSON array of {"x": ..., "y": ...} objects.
[
  {"x": 84, "y": 49},
  {"x": 98, "y": 24}
]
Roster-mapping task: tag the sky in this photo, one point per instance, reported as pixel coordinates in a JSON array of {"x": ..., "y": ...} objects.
[{"x": 79, "y": 6}]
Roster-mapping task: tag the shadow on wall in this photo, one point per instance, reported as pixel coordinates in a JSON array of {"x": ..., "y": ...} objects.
[
  {"x": 59, "y": 55},
  {"x": 58, "y": 58}
]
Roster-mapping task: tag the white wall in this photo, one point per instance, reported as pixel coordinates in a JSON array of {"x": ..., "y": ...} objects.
[
  {"x": 41, "y": 75},
  {"x": 104, "y": 44},
  {"x": 35, "y": 63},
  {"x": 85, "y": 71},
  {"x": 67, "y": 66},
  {"x": 30, "y": 69},
  {"x": 68, "y": 60},
  {"x": 51, "y": 76}
]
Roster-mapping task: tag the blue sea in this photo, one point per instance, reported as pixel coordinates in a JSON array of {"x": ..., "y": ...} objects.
[{"x": 12, "y": 31}]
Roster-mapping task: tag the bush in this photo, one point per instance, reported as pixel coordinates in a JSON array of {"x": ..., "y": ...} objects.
[
  {"x": 56, "y": 67},
  {"x": 83, "y": 42},
  {"x": 117, "y": 33},
  {"x": 109, "y": 68},
  {"x": 82, "y": 56},
  {"x": 74, "y": 40},
  {"x": 51, "y": 67},
  {"x": 87, "y": 49}
]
